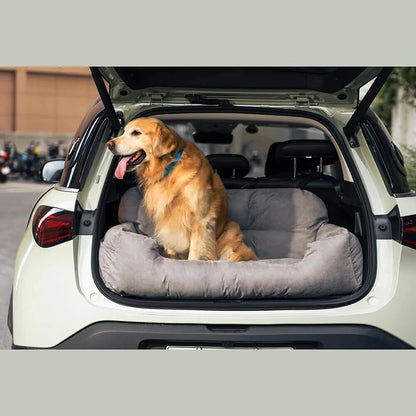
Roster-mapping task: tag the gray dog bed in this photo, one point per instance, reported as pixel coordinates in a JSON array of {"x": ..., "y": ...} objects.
[{"x": 301, "y": 255}]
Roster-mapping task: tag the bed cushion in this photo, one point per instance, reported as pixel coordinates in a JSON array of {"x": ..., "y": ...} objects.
[
  {"x": 301, "y": 254},
  {"x": 276, "y": 223}
]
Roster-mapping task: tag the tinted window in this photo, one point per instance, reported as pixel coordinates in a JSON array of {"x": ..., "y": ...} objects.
[
  {"x": 76, "y": 163},
  {"x": 386, "y": 154}
]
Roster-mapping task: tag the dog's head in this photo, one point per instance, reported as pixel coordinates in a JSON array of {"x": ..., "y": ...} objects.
[{"x": 142, "y": 140}]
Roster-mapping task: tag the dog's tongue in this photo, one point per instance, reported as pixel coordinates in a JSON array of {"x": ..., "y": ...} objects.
[{"x": 121, "y": 167}]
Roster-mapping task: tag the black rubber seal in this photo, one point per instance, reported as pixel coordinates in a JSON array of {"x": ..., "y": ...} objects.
[{"x": 369, "y": 271}]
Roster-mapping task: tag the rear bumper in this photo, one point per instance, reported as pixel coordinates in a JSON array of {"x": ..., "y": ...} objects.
[{"x": 124, "y": 335}]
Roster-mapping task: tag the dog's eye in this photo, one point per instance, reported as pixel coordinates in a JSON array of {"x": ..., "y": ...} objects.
[{"x": 135, "y": 133}]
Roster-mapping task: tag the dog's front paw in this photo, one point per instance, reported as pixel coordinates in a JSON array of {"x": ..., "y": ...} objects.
[
  {"x": 171, "y": 254},
  {"x": 202, "y": 256}
]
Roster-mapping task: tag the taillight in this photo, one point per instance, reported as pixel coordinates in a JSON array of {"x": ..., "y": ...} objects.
[
  {"x": 409, "y": 231},
  {"x": 52, "y": 226}
]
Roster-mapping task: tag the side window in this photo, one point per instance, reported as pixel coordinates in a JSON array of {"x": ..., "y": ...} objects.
[
  {"x": 386, "y": 153},
  {"x": 76, "y": 162}
]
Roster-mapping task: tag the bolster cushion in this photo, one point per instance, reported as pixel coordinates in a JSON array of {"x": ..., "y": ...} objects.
[{"x": 131, "y": 263}]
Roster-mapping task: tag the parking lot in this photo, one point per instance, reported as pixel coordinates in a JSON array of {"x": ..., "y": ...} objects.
[{"x": 16, "y": 201}]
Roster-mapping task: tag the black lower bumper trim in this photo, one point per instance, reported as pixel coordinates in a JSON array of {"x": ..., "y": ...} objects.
[{"x": 124, "y": 335}]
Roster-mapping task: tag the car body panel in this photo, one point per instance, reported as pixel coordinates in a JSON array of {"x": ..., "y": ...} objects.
[
  {"x": 55, "y": 294},
  {"x": 41, "y": 320},
  {"x": 90, "y": 194},
  {"x": 381, "y": 201},
  {"x": 407, "y": 205}
]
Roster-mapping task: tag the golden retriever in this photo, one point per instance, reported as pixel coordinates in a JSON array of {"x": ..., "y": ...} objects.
[{"x": 182, "y": 195}]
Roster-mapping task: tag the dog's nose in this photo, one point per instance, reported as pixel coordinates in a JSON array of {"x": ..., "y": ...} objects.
[{"x": 111, "y": 145}]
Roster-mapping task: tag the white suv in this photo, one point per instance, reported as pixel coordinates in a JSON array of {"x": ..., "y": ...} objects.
[{"x": 252, "y": 123}]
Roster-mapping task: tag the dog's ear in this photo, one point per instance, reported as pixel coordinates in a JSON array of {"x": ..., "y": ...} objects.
[{"x": 165, "y": 142}]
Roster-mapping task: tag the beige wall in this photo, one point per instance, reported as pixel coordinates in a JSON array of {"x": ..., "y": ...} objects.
[
  {"x": 6, "y": 100},
  {"x": 44, "y": 100}
]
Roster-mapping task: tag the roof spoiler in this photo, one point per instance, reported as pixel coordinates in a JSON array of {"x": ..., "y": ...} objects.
[{"x": 350, "y": 128}]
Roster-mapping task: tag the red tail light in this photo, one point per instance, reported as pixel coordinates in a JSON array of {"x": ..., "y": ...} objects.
[
  {"x": 52, "y": 226},
  {"x": 409, "y": 231}
]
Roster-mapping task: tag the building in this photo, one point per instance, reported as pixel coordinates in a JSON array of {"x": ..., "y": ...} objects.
[
  {"x": 46, "y": 104},
  {"x": 43, "y": 104}
]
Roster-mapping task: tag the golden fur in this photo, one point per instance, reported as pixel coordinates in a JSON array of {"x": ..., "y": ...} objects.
[{"x": 188, "y": 206}]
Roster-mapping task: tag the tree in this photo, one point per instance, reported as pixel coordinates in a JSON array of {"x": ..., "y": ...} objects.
[
  {"x": 409, "y": 154},
  {"x": 404, "y": 78}
]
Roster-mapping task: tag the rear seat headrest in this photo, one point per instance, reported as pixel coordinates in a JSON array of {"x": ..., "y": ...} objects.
[
  {"x": 308, "y": 154},
  {"x": 229, "y": 165}
]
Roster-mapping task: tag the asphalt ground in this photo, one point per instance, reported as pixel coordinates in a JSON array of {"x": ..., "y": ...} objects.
[{"x": 16, "y": 201}]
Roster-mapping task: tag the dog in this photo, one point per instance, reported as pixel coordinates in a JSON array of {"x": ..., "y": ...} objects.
[{"x": 182, "y": 195}]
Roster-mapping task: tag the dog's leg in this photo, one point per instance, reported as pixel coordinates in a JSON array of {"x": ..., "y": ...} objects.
[
  {"x": 171, "y": 253},
  {"x": 231, "y": 246},
  {"x": 203, "y": 244}
]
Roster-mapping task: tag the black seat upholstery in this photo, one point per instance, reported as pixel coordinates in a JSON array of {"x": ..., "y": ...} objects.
[
  {"x": 229, "y": 165},
  {"x": 232, "y": 168},
  {"x": 295, "y": 158}
]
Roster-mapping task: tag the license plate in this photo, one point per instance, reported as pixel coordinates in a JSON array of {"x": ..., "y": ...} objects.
[{"x": 208, "y": 348}]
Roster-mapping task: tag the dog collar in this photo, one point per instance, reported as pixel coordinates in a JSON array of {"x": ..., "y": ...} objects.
[{"x": 173, "y": 164}]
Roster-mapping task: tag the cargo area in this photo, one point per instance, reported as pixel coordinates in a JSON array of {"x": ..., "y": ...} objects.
[{"x": 252, "y": 153}]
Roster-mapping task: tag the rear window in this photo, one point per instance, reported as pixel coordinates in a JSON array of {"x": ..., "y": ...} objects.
[{"x": 250, "y": 139}]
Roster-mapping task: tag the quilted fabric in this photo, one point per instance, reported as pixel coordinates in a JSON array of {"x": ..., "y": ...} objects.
[{"x": 301, "y": 254}]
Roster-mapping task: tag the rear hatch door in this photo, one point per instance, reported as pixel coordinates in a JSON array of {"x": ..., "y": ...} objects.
[
  {"x": 326, "y": 85},
  {"x": 281, "y": 86}
]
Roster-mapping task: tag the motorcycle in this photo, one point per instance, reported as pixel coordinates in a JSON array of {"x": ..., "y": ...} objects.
[
  {"x": 4, "y": 168},
  {"x": 32, "y": 161}
]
